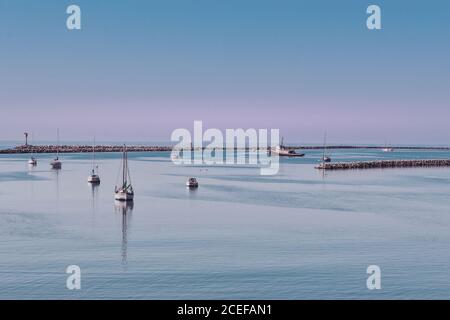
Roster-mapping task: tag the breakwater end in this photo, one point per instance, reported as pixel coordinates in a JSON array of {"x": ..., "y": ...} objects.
[{"x": 382, "y": 164}]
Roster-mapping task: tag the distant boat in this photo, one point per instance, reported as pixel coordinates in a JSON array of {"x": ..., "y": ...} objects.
[
  {"x": 125, "y": 191},
  {"x": 94, "y": 178},
  {"x": 56, "y": 164},
  {"x": 387, "y": 148},
  {"x": 282, "y": 151},
  {"x": 33, "y": 160},
  {"x": 192, "y": 183},
  {"x": 325, "y": 158}
]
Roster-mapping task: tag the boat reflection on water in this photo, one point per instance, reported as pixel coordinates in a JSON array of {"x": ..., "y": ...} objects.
[
  {"x": 125, "y": 208},
  {"x": 94, "y": 200}
]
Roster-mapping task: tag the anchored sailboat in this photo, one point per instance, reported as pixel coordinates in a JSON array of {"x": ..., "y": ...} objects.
[
  {"x": 32, "y": 161},
  {"x": 56, "y": 164},
  {"x": 325, "y": 158},
  {"x": 125, "y": 191},
  {"x": 94, "y": 178}
]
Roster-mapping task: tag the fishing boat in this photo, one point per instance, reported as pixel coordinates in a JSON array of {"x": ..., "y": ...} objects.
[
  {"x": 124, "y": 192},
  {"x": 192, "y": 183},
  {"x": 94, "y": 178},
  {"x": 56, "y": 164},
  {"x": 283, "y": 151},
  {"x": 325, "y": 158}
]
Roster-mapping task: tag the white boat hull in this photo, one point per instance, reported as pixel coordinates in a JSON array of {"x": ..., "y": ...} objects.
[
  {"x": 123, "y": 196},
  {"x": 192, "y": 185},
  {"x": 93, "y": 179}
]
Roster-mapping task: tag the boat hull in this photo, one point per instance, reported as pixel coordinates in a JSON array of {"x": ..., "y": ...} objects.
[
  {"x": 93, "y": 179},
  {"x": 123, "y": 196},
  {"x": 192, "y": 185},
  {"x": 290, "y": 155},
  {"x": 56, "y": 165}
]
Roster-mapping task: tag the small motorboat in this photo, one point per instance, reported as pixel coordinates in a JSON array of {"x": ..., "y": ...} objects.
[
  {"x": 326, "y": 159},
  {"x": 192, "y": 183},
  {"x": 56, "y": 164}
]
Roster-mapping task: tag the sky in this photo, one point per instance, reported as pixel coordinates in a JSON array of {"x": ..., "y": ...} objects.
[{"x": 139, "y": 69}]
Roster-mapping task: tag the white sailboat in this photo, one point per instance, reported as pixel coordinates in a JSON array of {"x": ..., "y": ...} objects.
[
  {"x": 325, "y": 158},
  {"x": 94, "y": 178},
  {"x": 125, "y": 191},
  {"x": 56, "y": 164},
  {"x": 33, "y": 160}
]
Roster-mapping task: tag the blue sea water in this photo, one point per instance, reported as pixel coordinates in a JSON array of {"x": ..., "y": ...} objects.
[{"x": 297, "y": 235}]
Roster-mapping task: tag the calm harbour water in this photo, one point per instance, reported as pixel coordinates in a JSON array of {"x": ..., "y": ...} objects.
[{"x": 296, "y": 235}]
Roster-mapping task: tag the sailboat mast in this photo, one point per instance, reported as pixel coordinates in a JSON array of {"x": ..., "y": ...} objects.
[
  {"x": 324, "y": 145},
  {"x": 31, "y": 138},
  {"x": 57, "y": 143},
  {"x": 93, "y": 156},
  {"x": 123, "y": 167}
]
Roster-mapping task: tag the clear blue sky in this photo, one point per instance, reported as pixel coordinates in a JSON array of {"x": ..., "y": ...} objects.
[{"x": 139, "y": 69}]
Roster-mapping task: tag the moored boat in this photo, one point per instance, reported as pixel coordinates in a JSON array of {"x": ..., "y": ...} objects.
[
  {"x": 124, "y": 192},
  {"x": 192, "y": 183},
  {"x": 94, "y": 178}
]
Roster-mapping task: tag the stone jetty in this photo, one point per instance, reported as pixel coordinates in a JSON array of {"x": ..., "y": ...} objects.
[
  {"x": 81, "y": 149},
  {"x": 382, "y": 164}
]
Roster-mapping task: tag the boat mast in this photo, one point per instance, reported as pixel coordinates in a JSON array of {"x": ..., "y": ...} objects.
[
  {"x": 93, "y": 156},
  {"x": 57, "y": 143},
  {"x": 324, "y": 145},
  {"x": 31, "y": 138},
  {"x": 124, "y": 159}
]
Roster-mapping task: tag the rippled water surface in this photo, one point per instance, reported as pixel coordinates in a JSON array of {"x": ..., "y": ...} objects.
[{"x": 297, "y": 235}]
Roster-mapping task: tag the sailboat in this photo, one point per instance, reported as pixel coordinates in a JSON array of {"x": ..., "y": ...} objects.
[
  {"x": 32, "y": 161},
  {"x": 282, "y": 151},
  {"x": 125, "y": 191},
  {"x": 94, "y": 178},
  {"x": 56, "y": 164},
  {"x": 325, "y": 158}
]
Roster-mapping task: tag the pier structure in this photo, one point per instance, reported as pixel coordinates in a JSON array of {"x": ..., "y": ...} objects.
[{"x": 383, "y": 164}]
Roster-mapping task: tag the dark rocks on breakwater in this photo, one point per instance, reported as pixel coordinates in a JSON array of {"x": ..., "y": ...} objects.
[
  {"x": 118, "y": 148},
  {"x": 81, "y": 149},
  {"x": 382, "y": 164}
]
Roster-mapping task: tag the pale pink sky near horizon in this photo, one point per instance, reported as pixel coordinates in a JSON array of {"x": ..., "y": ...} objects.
[{"x": 138, "y": 72}]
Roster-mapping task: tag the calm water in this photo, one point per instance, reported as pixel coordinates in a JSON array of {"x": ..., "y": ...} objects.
[{"x": 296, "y": 235}]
